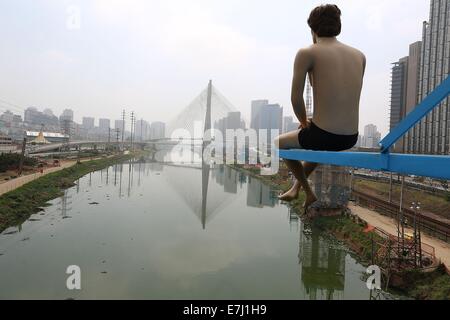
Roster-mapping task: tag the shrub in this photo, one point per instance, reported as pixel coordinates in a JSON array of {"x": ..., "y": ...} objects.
[{"x": 11, "y": 161}]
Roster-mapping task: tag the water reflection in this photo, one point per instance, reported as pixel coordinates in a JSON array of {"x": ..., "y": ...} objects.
[
  {"x": 65, "y": 205},
  {"x": 260, "y": 195},
  {"x": 323, "y": 267},
  {"x": 137, "y": 217}
]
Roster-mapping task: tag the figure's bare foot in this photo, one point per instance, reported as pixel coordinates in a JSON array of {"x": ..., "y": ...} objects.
[{"x": 291, "y": 195}]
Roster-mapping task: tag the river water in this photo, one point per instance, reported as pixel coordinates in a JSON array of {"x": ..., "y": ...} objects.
[{"x": 150, "y": 231}]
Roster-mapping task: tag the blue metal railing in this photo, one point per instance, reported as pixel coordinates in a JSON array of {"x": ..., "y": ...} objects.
[
  {"x": 414, "y": 117},
  {"x": 420, "y": 165}
]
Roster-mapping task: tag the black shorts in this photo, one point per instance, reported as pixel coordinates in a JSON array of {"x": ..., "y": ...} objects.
[{"x": 317, "y": 139}]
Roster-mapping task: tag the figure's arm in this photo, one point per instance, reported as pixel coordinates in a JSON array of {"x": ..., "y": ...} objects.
[
  {"x": 364, "y": 65},
  {"x": 303, "y": 64}
]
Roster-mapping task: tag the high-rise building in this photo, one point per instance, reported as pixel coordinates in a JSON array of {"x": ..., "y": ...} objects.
[
  {"x": 48, "y": 112},
  {"x": 256, "y": 112},
  {"x": 88, "y": 123},
  {"x": 36, "y": 118},
  {"x": 371, "y": 138},
  {"x": 234, "y": 121},
  {"x": 158, "y": 130},
  {"x": 412, "y": 89},
  {"x": 398, "y": 91},
  {"x": 432, "y": 134},
  {"x": 67, "y": 115},
  {"x": 271, "y": 118},
  {"x": 118, "y": 124},
  {"x": 142, "y": 130},
  {"x": 104, "y": 125},
  {"x": 7, "y": 117},
  {"x": 266, "y": 116},
  {"x": 399, "y": 80}
]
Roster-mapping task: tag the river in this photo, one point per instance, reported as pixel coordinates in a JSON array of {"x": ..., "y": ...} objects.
[{"x": 144, "y": 230}]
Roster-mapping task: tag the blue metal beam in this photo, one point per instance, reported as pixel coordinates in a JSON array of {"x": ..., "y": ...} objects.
[
  {"x": 420, "y": 165},
  {"x": 437, "y": 167},
  {"x": 414, "y": 117}
]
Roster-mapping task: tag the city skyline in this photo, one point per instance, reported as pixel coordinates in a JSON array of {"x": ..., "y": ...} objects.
[{"x": 141, "y": 73}]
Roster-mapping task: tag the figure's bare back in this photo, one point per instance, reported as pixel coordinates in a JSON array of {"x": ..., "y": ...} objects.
[{"x": 337, "y": 80}]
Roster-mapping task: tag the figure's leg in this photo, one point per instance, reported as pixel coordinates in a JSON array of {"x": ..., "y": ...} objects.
[
  {"x": 290, "y": 141},
  {"x": 299, "y": 172},
  {"x": 294, "y": 192}
]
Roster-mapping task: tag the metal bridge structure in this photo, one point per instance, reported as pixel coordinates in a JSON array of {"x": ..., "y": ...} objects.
[
  {"x": 433, "y": 166},
  {"x": 194, "y": 124},
  {"x": 191, "y": 127}
]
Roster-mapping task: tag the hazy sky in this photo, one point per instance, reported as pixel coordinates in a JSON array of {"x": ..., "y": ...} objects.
[{"x": 154, "y": 57}]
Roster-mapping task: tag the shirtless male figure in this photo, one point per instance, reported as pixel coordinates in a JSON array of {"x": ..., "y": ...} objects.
[{"x": 336, "y": 73}]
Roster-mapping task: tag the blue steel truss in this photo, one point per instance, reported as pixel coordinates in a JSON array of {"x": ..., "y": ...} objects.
[{"x": 437, "y": 167}]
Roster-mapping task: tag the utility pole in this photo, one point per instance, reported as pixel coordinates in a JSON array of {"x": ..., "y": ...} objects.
[
  {"x": 123, "y": 129},
  {"x": 117, "y": 138},
  {"x": 132, "y": 129},
  {"x": 22, "y": 155},
  {"x": 109, "y": 137},
  {"x": 418, "y": 254},
  {"x": 390, "y": 187}
]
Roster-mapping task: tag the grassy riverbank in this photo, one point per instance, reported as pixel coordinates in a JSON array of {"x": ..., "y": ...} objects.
[
  {"x": 434, "y": 285},
  {"x": 413, "y": 284},
  {"x": 18, "y": 205}
]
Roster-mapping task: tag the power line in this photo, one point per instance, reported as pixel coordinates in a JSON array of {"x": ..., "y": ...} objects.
[
  {"x": 12, "y": 105},
  {"x": 12, "y": 109}
]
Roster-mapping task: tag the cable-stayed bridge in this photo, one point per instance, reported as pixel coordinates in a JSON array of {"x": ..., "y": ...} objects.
[{"x": 191, "y": 127}]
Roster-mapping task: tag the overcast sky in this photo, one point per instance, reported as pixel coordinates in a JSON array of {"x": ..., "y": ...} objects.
[{"x": 154, "y": 57}]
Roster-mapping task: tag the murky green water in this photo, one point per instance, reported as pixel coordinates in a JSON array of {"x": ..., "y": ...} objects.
[{"x": 151, "y": 231}]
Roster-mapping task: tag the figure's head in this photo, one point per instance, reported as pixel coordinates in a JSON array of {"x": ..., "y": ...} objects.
[{"x": 325, "y": 21}]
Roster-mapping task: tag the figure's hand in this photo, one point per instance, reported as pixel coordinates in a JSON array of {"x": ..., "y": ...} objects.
[{"x": 305, "y": 125}]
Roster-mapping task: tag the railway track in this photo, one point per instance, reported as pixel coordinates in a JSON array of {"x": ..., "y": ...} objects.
[{"x": 440, "y": 228}]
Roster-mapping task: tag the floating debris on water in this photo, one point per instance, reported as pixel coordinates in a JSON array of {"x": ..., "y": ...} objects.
[
  {"x": 26, "y": 239},
  {"x": 10, "y": 233}
]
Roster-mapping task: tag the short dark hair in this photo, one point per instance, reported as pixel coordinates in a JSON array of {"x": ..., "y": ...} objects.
[{"x": 325, "y": 20}]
